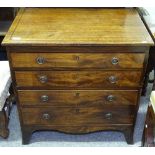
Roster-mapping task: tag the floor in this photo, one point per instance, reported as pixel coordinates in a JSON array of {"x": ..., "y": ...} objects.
[{"x": 55, "y": 139}]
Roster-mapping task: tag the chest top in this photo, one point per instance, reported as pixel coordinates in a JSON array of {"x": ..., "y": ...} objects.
[{"x": 77, "y": 26}]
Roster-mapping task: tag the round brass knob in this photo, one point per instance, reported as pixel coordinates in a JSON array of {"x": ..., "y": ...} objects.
[
  {"x": 110, "y": 98},
  {"x": 108, "y": 115},
  {"x": 112, "y": 79},
  {"x": 43, "y": 79},
  {"x": 114, "y": 61},
  {"x": 40, "y": 60},
  {"x": 46, "y": 116},
  {"x": 44, "y": 98}
]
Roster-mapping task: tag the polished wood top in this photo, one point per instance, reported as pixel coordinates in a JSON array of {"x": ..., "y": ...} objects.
[{"x": 78, "y": 26}]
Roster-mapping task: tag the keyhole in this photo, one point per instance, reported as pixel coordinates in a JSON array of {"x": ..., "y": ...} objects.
[
  {"x": 77, "y": 57},
  {"x": 77, "y": 110},
  {"x": 77, "y": 94}
]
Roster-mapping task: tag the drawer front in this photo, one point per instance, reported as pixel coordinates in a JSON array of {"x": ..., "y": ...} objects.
[
  {"x": 78, "y": 116},
  {"x": 78, "y": 79},
  {"x": 78, "y": 60},
  {"x": 77, "y": 97}
]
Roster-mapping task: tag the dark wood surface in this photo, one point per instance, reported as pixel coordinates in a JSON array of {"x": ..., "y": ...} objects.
[
  {"x": 4, "y": 131},
  {"x": 78, "y": 79},
  {"x": 82, "y": 98},
  {"x": 78, "y": 49},
  {"x": 78, "y": 60},
  {"x": 77, "y": 73},
  {"x": 28, "y": 130},
  {"x": 98, "y": 116}
]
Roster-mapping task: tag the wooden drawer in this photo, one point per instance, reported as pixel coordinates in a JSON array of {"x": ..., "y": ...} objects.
[
  {"x": 78, "y": 116},
  {"x": 82, "y": 98},
  {"x": 78, "y": 60},
  {"x": 78, "y": 79}
]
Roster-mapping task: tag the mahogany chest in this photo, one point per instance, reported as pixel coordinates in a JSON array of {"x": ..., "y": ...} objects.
[{"x": 77, "y": 70}]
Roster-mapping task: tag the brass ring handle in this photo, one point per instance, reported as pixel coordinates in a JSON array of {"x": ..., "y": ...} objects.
[
  {"x": 40, "y": 60},
  {"x": 112, "y": 79},
  {"x": 108, "y": 115},
  {"x": 114, "y": 61},
  {"x": 43, "y": 79},
  {"x": 110, "y": 98},
  {"x": 46, "y": 116},
  {"x": 44, "y": 98}
]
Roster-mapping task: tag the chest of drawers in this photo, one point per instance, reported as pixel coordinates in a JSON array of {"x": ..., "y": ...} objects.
[{"x": 77, "y": 70}]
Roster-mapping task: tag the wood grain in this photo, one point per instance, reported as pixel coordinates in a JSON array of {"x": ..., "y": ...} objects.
[
  {"x": 78, "y": 79},
  {"x": 78, "y": 116},
  {"x": 82, "y": 98},
  {"x": 77, "y": 130},
  {"x": 78, "y": 49},
  {"x": 78, "y": 60},
  {"x": 78, "y": 26},
  {"x": 68, "y": 92}
]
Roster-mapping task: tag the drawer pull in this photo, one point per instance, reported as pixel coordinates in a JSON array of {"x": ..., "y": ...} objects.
[
  {"x": 43, "y": 79},
  {"x": 108, "y": 115},
  {"x": 114, "y": 61},
  {"x": 110, "y": 98},
  {"x": 44, "y": 98},
  {"x": 112, "y": 79},
  {"x": 46, "y": 116},
  {"x": 40, "y": 60}
]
